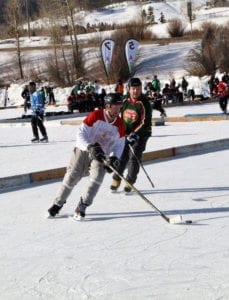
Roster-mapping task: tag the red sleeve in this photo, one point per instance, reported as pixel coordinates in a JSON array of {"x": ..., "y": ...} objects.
[
  {"x": 121, "y": 127},
  {"x": 93, "y": 117}
]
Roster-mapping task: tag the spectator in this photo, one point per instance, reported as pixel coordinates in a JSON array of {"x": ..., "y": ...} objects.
[
  {"x": 173, "y": 89},
  {"x": 101, "y": 98},
  {"x": 172, "y": 84},
  {"x": 96, "y": 87},
  {"x": 167, "y": 94},
  {"x": 184, "y": 85},
  {"x": 212, "y": 85},
  {"x": 119, "y": 88},
  {"x": 50, "y": 95},
  {"x": 89, "y": 88},
  {"x": 82, "y": 101},
  {"x": 156, "y": 85},
  {"x": 178, "y": 94},
  {"x": 26, "y": 96},
  {"x": 225, "y": 78},
  {"x": 156, "y": 101},
  {"x": 42, "y": 92},
  {"x": 222, "y": 91},
  {"x": 77, "y": 87},
  {"x": 191, "y": 94}
]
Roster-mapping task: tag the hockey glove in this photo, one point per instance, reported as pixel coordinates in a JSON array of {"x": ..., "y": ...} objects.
[
  {"x": 96, "y": 152},
  {"x": 114, "y": 162},
  {"x": 37, "y": 112},
  {"x": 132, "y": 138}
]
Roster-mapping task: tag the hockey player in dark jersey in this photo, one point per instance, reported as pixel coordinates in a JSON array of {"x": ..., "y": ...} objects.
[{"x": 136, "y": 113}]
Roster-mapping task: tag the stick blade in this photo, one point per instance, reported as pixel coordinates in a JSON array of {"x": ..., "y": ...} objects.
[{"x": 175, "y": 220}]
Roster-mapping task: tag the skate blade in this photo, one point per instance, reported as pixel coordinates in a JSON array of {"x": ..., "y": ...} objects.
[
  {"x": 128, "y": 193},
  {"x": 78, "y": 218},
  {"x": 48, "y": 216},
  {"x": 175, "y": 220}
]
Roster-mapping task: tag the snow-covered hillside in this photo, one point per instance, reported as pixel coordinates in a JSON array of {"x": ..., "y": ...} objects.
[{"x": 165, "y": 60}]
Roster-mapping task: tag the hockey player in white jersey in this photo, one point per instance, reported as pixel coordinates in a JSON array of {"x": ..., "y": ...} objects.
[{"x": 101, "y": 136}]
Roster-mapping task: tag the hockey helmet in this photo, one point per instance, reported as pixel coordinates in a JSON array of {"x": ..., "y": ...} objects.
[
  {"x": 134, "y": 81},
  {"x": 113, "y": 99}
]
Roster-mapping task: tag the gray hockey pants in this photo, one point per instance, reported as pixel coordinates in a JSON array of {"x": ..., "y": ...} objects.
[{"x": 79, "y": 165}]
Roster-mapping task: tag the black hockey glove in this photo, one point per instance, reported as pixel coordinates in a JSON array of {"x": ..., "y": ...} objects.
[
  {"x": 37, "y": 112},
  {"x": 114, "y": 162},
  {"x": 132, "y": 138},
  {"x": 96, "y": 152}
]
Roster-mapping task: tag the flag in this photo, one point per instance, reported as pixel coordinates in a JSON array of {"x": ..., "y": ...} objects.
[
  {"x": 131, "y": 49},
  {"x": 107, "y": 48}
]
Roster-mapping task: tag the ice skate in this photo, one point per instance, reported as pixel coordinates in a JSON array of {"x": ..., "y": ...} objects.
[
  {"x": 127, "y": 189},
  {"x": 54, "y": 210},
  {"x": 44, "y": 139},
  {"x": 79, "y": 214},
  {"x": 115, "y": 185},
  {"x": 35, "y": 140}
]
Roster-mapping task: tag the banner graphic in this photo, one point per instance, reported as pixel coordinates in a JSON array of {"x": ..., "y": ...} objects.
[
  {"x": 107, "y": 48},
  {"x": 131, "y": 50}
]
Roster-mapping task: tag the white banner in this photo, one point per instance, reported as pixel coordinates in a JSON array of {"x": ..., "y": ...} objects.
[
  {"x": 131, "y": 50},
  {"x": 107, "y": 48}
]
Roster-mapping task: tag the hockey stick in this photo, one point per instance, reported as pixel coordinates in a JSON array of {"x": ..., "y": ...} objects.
[
  {"x": 174, "y": 220},
  {"x": 140, "y": 164}
]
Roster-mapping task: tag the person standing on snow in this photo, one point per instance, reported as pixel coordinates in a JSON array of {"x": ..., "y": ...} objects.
[
  {"x": 101, "y": 135},
  {"x": 156, "y": 102},
  {"x": 37, "y": 106},
  {"x": 119, "y": 88},
  {"x": 156, "y": 85},
  {"x": 222, "y": 90},
  {"x": 184, "y": 85},
  {"x": 212, "y": 85},
  {"x": 136, "y": 113},
  {"x": 26, "y": 96}
]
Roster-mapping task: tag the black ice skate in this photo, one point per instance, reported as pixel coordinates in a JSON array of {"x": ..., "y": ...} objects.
[
  {"x": 79, "y": 214},
  {"x": 127, "y": 188},
  {"x": 44, "y": 139},
  {"x": 35, "y": 140},
  {"x": 54, "y": 210}
]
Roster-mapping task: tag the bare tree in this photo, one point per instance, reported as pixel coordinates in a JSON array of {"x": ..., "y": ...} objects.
[
  {"x": 60, "y": 14},
  {"x": 58, "y": 67},
  {"x": 28, "y": 17},
  {"x": 212, "y": 53},
  {"x": 14, "y": 18},
  {"x": 68, "y": 9}
]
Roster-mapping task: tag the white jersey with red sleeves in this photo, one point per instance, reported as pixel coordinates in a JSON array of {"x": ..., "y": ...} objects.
[{"x": 97, "y": 129}]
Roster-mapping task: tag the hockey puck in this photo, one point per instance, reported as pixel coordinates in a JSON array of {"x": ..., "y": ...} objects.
[{"x": 188, "y": 221}]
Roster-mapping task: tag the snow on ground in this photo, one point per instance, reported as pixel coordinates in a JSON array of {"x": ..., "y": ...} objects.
[
  {"x": 166, "y": 60},
  {"x": 56, "y": 154},
  {"x": 124, "y": 250}
]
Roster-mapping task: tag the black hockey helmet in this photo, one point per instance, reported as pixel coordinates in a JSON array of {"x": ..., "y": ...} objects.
[
  {"x": 32, "y": 83},
  {"x": 134, "y": 81},
  {"x": 113, "y": 99}
]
